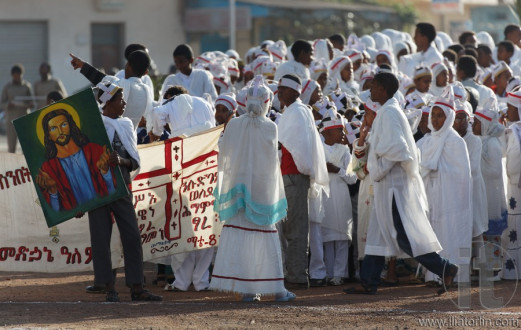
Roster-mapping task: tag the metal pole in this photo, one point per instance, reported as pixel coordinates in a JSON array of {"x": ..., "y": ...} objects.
[{"x": 232, "y": 25}]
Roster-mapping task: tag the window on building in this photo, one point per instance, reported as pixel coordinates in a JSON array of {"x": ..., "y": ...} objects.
[{"x": 107, "y": 46}]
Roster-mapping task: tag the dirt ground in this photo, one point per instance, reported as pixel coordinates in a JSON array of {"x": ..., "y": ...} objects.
[{"x": 59, "y": 301}]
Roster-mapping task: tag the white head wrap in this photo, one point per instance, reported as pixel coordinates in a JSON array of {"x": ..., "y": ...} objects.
[
  {"x": 499, "y": 69},
  {"x": 227, "y": 100},
  {"x": 287, "y": 82},
  {"x": 317, "y": 68},
  {"x": 258, "y": 99},
  {"x": 446, "y": 103},
  {"x": 459, "y": 91},
  {"x": 488, "y": 116},
  {"x": 233, "y": 54},
  {"x": 278, "y": 50},
  {"x": 233, "y": 68},
  {"x": 108, "y": 93},
  {"x": 463, "y": 106},
  {"x": 368, "y": 41},
  {"x": 321, "y": 52},
  {"x": 514, "y": 99},
  {"x": 485, "y": 38},
  {"x": 513, "y": 83},
  {"x": 309, "y": 87},
  {"x": 422, "y": 71}
]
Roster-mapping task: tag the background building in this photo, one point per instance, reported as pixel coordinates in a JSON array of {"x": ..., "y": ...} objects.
[{"x": 33, "y": 31}]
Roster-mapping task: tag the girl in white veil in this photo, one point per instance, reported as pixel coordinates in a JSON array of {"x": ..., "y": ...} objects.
[{"x": 249, "y": 197}]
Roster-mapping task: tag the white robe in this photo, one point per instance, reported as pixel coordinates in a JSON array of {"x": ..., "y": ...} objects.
[
  {"x": 338, "y": 214},
  {"x": 446, "y": 175},
  {"x": 185, "y": 114},
  {"x": 146, "y": 79},
  {"x": 292, "y": 67},
  {"x": 492, "y": 170},
  {"x": 198, "y": 83},
  {"x": 479, "y": 192},
  {"x": 510, "y": 239},
  {"x": 365, "y": 195},
  {"x": 393, "y": 165},
  {"x": 409, "y": 62},
  {"x": 299, "y": 135}
]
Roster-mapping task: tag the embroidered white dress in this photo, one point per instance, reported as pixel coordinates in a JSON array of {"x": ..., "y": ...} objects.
[
  {"x": 510, "y": 238},
  {"x": 250, "y": 198}
]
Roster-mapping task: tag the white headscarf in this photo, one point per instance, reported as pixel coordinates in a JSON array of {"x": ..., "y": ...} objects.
[
  {"x": 249, "y": 177},
  {"x": 433, "y": 150},
  {"x": 321, "y": 51},
  {"x": 488, "y": 116}
]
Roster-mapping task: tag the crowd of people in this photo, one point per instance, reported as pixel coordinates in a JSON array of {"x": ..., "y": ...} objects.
[{"x": 338, "y": 157}]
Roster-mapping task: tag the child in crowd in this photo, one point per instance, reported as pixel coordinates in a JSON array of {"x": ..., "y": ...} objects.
[{"x": 338, "y": 219}]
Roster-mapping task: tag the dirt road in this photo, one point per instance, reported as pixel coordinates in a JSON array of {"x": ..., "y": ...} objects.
[{"x": 59, "y": 301}]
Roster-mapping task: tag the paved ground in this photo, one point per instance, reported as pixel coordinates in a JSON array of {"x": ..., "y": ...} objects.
[{"x": 59, "y": 301}]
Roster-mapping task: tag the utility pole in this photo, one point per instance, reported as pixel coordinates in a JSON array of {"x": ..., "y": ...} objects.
[{"x": 232, "y": 25}]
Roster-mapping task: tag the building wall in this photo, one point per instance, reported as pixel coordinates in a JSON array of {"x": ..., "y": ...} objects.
[{"x": 155, "y": 23}]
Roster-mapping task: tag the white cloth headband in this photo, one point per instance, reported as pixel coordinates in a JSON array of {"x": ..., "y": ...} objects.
[
  {"x": 108, "y": 92},
  {"x": 286, "y": 82}
]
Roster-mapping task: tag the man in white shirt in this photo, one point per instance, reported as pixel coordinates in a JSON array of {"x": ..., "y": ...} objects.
[
  {"x": 426, "y": 54},
  {"x": 146, "y": 78},
  {"x": 303, "y": 54},
  {"x": 196, "y": 81},
  {"x": 138, "y": 95}
]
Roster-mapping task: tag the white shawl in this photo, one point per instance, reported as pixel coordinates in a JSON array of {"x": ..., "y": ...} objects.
[
  {"x": 446, "y": 173},
  {"x": 125, "y": 129},
  {"x": 299, "y": 135}
]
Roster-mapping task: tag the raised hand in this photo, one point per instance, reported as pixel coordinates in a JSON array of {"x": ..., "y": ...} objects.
[
  {"x": 46, "y": 182},
  {"x": 76, "y": 62}
]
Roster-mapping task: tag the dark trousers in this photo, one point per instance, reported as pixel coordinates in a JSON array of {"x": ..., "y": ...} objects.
[
  {"x": 372, "y": 265},
  {"x": 295, "y": 228},
  {"x": 100, "y": 225}
]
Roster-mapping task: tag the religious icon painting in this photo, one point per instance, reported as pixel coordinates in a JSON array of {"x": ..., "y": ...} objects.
[{"x": 67, "y": 150}]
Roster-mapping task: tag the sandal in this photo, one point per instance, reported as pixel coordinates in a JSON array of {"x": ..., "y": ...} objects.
[
  {"x": 251, "y": 298},
  {"x": 145, "y": 295},
  {"x": 112, "y": 296}
]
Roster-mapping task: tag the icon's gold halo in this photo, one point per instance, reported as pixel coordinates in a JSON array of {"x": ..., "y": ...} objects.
[{"x": 52, "y": 107}]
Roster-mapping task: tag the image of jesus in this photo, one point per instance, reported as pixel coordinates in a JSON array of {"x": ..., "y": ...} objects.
[{"x": 76, "y": 170}]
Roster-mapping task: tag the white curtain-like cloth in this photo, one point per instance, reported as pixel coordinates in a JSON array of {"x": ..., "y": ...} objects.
[
  {"x": 393, "y": 165},
  {"x": 445, "y": 169},
  {"x": 299, "y": 135}
]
